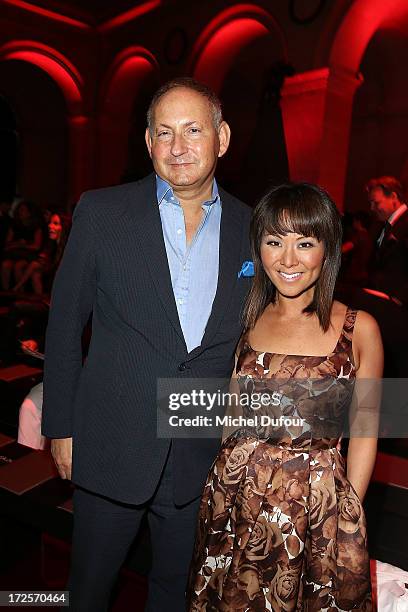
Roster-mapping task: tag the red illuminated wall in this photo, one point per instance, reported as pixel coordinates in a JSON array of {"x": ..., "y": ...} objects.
[{"x": 87, "y": 83}]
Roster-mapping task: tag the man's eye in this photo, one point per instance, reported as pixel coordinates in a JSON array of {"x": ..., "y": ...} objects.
[
  {"x": 195, "y": 130},
  {"x": 162, "y": 133}
]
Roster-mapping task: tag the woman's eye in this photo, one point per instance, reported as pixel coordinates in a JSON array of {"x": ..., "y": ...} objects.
[
  {"x": 306, "y": 245},
  {"x": 273, "y": 243}
]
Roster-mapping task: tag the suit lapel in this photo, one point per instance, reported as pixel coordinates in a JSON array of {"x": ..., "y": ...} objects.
[
  {"x": 229, "y": 252},
  {"x": 147, "y": 225}
]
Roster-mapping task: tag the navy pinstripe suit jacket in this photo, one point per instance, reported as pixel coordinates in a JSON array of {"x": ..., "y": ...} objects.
[{"x": 115, "y": 267}]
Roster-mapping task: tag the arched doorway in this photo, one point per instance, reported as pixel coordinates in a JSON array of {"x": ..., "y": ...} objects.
[
  {"x": 130, "y": 82},
  {"x": 8, "y": 151},
  {"x": 44, "y": 89},
  {"x": 380, "y": 115},
  {"x": 43, "y": 138},
  {"x": 241, "y": 54},
  {"x": 362, "y": 22}
]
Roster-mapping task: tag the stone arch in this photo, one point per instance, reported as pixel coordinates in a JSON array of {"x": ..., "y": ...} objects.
[
  {"x": 242, "y": 55},
  {"x": 358, "y": 27},
  {"x": 133, "y": 70},
  {"x": 224, "y": 37},
  {"x": 69, "y": 82},
  {"x": 56, "y": 65}
]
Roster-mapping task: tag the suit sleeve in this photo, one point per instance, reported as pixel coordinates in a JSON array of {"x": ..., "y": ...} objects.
[{"x": 72, "y": 301}]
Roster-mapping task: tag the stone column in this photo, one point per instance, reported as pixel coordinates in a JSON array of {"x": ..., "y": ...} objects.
[
  {"x": 303, "y": 101},
  {"x": 341, "y": 87}
]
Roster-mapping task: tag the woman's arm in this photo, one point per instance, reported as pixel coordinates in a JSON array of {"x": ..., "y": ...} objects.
[
  {"x": 364, "y": 413},
  {"x": 233, "y": 409}
]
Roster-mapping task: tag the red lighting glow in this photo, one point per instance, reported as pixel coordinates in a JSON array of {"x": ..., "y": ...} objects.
[
  {"x": 65, "y": 75},
  {"x": 130, "y": 15},
  {"x": 378, "y": 294},
  {"x": 47, "y": 13},
  {"x": 123, "y": 86},
  {"x": 224, "y": 37},
  {"x": 222, "y": 49},
  {"x": 361, "y": 22},
  {"x": 133, "y": 69}
]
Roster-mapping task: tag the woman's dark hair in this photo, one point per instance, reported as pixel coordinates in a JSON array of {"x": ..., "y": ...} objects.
[
  {"x": 308, "y": 210},
  {"x": 66, "y": 222}
]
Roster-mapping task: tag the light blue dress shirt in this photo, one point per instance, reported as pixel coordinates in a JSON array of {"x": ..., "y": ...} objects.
[{"x": 193, "y": 267}]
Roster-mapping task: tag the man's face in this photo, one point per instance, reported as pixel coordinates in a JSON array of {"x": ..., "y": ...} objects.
[
  {"x": 382, "y": 205},
  {"x": 184, "y": 144}
]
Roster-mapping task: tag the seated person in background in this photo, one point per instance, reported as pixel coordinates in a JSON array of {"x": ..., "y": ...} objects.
[
  {"x": 42, "y": 270},
  {"x": 23, "y": 242},
  {"x": 29, "y": 421},
  {"x": 389, "y": 266},
  {"x": 357, "y": 250}
]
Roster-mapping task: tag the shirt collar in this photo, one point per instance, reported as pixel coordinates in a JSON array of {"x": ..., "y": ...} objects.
[
  {"x": 164, "y": 191},
  {"x": 397, "y": 213}
]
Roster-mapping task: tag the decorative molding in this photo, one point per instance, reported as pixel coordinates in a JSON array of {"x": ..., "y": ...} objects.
[
  {"x": 176, "y": 46},
  {"x": 313, "y": 14}
]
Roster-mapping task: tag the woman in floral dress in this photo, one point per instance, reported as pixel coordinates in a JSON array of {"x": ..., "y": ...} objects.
[{"x": 281, "y": 525}]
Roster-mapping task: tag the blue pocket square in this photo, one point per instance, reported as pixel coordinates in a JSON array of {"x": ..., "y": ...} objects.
[{"x": 247, "y": 269}]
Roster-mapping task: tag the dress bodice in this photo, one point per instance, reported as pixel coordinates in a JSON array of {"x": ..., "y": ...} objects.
[{"x": 309, "y": 396}]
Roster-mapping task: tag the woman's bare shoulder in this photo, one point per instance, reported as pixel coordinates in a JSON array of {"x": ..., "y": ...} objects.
[{"x": 365, "y": 324}]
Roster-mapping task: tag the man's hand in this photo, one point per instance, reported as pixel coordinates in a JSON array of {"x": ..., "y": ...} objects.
[{"x": 61, "y": 450}]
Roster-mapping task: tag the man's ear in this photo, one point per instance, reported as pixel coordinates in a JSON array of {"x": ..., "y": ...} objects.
[
  {"x": 224, "y": 136},
  {"x": 148, "y": 139}
]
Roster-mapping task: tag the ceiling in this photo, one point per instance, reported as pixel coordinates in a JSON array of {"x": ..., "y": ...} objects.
[{"x": 90, "y": 11}]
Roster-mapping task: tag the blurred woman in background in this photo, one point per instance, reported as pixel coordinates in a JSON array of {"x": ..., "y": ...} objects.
[
  {"x": 42, "y": 270},
  {"x": 24, "y": 240}
]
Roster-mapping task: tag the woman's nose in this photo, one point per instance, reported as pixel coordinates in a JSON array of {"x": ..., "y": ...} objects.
[{"x": 289, "y": 257}]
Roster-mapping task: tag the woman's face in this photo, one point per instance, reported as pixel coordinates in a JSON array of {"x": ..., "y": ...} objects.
[
  {"x": 293, "y": 262},
  {"x": 54, "y": 227}
]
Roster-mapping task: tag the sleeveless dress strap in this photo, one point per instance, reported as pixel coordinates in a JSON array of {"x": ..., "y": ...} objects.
[{"x": 346, "y": 336}]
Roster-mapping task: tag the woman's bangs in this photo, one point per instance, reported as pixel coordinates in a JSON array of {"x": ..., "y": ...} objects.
[{"x": 284, "y": 219}]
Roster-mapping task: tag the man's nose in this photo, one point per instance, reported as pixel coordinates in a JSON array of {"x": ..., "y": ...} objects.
[
  {"x": 289, "y": 257},
  {"x": 178, "y": 145}
]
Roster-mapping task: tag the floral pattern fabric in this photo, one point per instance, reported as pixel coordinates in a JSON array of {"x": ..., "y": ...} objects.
[{"x": 280, "y": 527}]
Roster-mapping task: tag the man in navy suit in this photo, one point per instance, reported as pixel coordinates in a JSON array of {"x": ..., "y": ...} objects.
[
  {"x": 156, "y": 263},
  {"x": 389, "y": 270}
]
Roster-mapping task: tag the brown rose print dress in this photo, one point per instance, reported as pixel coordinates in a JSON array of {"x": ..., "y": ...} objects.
[{"x": 280, "y": 527}]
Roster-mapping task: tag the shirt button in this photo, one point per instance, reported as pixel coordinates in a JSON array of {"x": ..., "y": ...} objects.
[
  {"x": 179, "y": 231},
  {"x": 180, "y": 301},
  {"x": 182, "y": 367}
]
